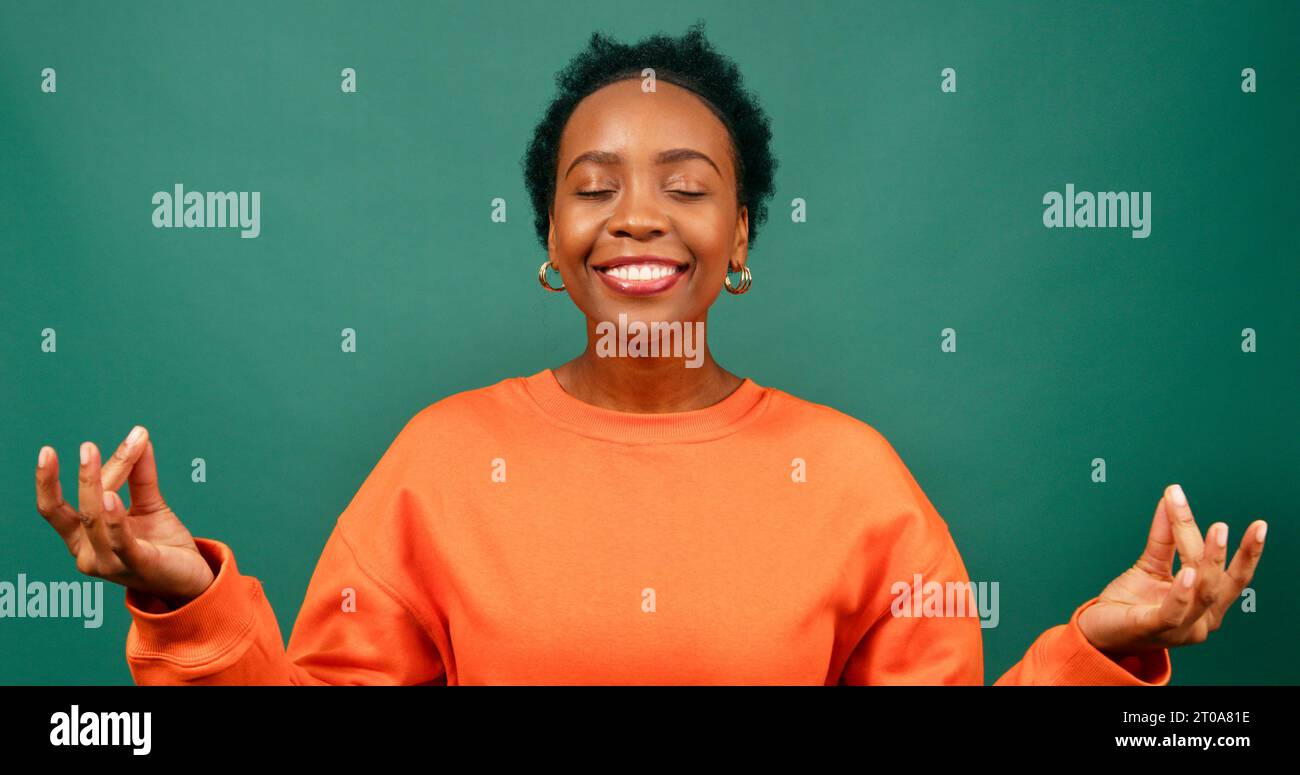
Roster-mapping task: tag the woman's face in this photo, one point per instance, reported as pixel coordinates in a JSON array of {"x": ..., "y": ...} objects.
[{"x": 646, "y": 174}]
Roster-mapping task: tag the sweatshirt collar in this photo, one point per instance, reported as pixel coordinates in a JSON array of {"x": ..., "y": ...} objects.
[{"x": 741, "y": 407}]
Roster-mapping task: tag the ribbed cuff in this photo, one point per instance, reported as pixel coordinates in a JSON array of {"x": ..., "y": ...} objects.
[
  {"x": 204, "y": 628},
  {"x": 1089, "y": 666}
]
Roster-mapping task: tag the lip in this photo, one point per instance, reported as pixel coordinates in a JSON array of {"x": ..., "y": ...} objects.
[{"x": 640, "y": 287}]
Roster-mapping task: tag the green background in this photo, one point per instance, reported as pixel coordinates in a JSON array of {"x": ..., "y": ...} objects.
[{"x": 924, "y": 212}]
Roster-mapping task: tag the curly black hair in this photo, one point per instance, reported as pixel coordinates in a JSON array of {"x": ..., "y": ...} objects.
[{"x": 689, "y": 62}]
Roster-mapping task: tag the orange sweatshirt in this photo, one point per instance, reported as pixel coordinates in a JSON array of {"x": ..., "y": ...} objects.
[{"x": 514, "y": 534}]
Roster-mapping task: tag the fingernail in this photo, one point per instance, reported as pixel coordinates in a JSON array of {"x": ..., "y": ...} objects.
[
  {"x": 1259, "y": 534},
  {"x": 108, "y": 501},
  {"x": 40, "y": 458},
  {"x": 85, "y": 453},
  {"x": 1177, "y": 496},
  {"x": 1222, "y": 538},
  {"x": 135, "y": 435},
  {"x": 1189, "y": 577}
]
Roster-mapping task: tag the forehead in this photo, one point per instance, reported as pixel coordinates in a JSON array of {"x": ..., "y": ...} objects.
[{"x": 623, "y": 119}]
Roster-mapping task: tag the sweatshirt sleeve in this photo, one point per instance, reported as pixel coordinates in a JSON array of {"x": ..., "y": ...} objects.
[
  {"x": 350, "y": 630},
  {"x": 1063, "y": 656},
  {"x": 364, "y": 619},
  {"x": 933, "y": 637},
  {"x": 922, "y": 622}
]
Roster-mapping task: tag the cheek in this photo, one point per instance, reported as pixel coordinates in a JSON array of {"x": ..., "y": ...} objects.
[
  {"x": 575, "y": 232},
  {"x": 708, "y": 234}
]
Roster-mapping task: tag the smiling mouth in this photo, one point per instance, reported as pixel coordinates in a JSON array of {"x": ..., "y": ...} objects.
[
  {"x": 641, "y": 278},
  {"x": 640, "y": 273}
]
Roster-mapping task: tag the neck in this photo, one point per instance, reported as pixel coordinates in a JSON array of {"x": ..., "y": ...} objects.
[{"x": 645, "y": 385}]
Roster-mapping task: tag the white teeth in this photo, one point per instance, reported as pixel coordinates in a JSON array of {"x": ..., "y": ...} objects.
[{"x": 641, "y": 272}]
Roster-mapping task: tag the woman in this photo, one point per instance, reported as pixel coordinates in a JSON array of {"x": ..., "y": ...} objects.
[{"x": 624, "y": 518}]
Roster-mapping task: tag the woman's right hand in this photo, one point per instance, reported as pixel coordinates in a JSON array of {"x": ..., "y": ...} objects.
[{"x": 146, "y": 548}]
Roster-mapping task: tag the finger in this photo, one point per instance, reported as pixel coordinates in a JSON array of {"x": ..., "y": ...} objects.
[
  {"x": 119, "y": 465},
  {"x": 1173, "y": 610},
  {"x": 1187, "y": 536},
  {"x": 1209, "y": 584},
  {"x": 145, "y": 495},
  {"x": 49, "y": 500},
  {"x": 1216, "y": 545},
  {"x": 120, "y": 538},
  {"x": 1207, "y": 591},
  {"x": 1158, "y": 556},
  {"x": 90, "y": 502},
  {"x": 1242, "y": 569}
]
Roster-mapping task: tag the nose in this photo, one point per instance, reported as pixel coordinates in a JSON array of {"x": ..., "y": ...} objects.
[{"x": 639, "y": 213}]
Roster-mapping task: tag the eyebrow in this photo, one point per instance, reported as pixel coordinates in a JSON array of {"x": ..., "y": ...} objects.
[{"x": 663, "y": 157}]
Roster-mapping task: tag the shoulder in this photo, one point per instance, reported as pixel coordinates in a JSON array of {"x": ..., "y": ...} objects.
[
  {"x": 850, "y": 452},
  {"x": 461, "y": 416},
  {"x": 469, "y": 404},
  {"x": 829, "y": 426}
]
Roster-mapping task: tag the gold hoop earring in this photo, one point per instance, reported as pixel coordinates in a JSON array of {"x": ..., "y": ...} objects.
[
  {"x": 746, "y": 280},
  {"x": 541, "y": 277}
]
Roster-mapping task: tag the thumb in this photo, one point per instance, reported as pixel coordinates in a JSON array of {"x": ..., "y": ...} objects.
[
  {"x": 145, "y": 495},
  {"x": 1158, "y": 556},
  {"x": 118, "y": 466},
  {"x": 132, "y": 552}
]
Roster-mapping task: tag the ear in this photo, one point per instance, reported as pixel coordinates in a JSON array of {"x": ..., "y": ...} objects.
[
  {"x": 740, "y": 249},
  {"x": 550, "y": 237}
]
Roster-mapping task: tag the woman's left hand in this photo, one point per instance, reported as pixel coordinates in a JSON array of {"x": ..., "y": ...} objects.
[{"x": 1146, "y": 608}]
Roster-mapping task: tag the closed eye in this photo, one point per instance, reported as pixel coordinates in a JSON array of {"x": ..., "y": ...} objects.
[{"x": 593, "y": 194}]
